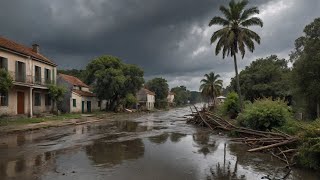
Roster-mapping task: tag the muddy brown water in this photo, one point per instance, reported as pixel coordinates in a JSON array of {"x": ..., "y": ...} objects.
[{"x": 136, "y": 147}]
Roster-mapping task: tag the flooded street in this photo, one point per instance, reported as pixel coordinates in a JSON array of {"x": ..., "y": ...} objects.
[{"x": 137, "y": 147}]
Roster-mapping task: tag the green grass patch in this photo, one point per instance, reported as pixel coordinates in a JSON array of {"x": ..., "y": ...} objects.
[{"x": 5, "y": 121}]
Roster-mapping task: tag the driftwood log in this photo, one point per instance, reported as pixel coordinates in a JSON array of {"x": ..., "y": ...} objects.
[{"x": 279, "y": 144}]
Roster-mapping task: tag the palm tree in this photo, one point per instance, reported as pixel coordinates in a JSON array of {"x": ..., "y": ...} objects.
[
  {"x": 234, "y": 36},
  {"x": 211, "y": 86}
]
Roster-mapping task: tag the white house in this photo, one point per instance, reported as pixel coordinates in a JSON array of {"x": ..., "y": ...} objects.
[
  {"x": 170, "y": 98},
  {"x": 78, "y": 98},
  {"x": 221, "y": 99},
  {"x": 146, "y": 99},
  {"x": 31, "y": 73}
]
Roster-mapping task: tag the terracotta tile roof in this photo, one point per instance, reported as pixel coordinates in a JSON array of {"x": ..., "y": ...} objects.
[
  {"x": 73, "y": 80},
  {"x": 147, "y": 91},
  {"x": 13, "y": 46},
  {"x": 84, "y": 93}
]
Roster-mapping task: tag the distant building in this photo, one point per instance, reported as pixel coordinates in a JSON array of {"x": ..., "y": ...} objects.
[
  {"x": 170, "y": 98},
  {"x": 221, "y": 99},
  {"x": 78, "y": 98},
  {"x": 146, "y": 99},
  {"x": 31, "y": 73}
]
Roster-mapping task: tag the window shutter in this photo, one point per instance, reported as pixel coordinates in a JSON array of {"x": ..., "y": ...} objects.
[
  {"x": 17, "y": 70},
  {"x": 5, "y": 63},
  {"x": 49, "y": 76},
  {"x": 24, "y": 72},
  {"x": 53, "y": 77}
]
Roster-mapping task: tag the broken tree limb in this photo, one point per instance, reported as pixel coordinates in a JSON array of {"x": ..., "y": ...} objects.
[{"x": 272, "y": 145}]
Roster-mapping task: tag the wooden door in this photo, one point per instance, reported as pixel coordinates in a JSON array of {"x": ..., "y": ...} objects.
[
  {"x": 20, "y": 102},
  {"x": 82, "y": 107}
]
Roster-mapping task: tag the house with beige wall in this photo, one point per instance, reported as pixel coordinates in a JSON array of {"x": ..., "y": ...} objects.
[
  {"x": 31, "y": 73},
  {"x": 79, "y": 98},
  {"x": 170, "y": 98},
  {"x": 146, "y": 99}
]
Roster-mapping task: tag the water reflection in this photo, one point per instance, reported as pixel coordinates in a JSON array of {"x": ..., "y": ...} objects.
[
  {"x": 113, "y": 153},
  {"x": 23, "y": 167},
  {"x": 176, "y": 137},
  {"x": 160, "y": 139},
  {"x": 204, "y": 143},
  {"x": 225, "y": 173}
]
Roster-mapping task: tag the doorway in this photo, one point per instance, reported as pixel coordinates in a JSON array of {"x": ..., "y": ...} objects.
[
  {"x": 20, "y": 102},
  {"x": 82, "y": 107},
  {"x": 89, "y": 106}
]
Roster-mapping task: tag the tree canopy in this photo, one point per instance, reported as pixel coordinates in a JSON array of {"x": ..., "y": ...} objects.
[
  {"x": 113, "y": 80},
  {"x": 211, "y": 86},
  {"x": 181, "y": 95},
  {"x": 161, "y": 88},
  {"x": 265, "y": 77},
  {"x": 306, "y": 74},
  {"x": 5, "y": 81}
]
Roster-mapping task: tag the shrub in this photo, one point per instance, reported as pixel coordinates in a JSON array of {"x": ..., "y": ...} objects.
[
  {"x": 264, "y": 114},
  {"x": 231, "y": 105}
]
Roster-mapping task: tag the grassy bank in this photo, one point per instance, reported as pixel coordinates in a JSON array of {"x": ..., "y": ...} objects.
[{"x": 7, "y": 121}]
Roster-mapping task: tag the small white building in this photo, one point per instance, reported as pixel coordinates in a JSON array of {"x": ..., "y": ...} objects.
[
  {"x": 170, "y": 98},
  {"x": 221, "y": 99},
  {"x": 78, "y": 97},
  {"x": 146, "y": 99}
]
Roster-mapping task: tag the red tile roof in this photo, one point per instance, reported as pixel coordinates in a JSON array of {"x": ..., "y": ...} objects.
[
  {"x": 147, "y": 91},
  {"x": 73, "y": 80},
  {"x": 84, "y": 93},
  {"x": 13, "y": 46}
]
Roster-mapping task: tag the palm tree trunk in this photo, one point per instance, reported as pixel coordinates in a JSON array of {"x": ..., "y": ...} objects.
[{"x": 237, "y": 79}]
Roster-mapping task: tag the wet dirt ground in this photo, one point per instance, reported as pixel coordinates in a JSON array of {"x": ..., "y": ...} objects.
[{"x": 156, "y": 146}]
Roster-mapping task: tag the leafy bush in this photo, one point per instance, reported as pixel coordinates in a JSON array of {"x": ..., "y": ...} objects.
[
  {"x": 231, "y": 105},
  {"x": 130, "y": 100},
  {"x": 264, "y": 114}
]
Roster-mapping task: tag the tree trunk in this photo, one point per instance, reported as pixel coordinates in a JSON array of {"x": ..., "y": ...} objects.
[{"x": 237, "y": 80}]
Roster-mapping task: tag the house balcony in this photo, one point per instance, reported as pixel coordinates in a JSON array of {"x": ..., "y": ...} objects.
[{"x": 28, "y": 80}]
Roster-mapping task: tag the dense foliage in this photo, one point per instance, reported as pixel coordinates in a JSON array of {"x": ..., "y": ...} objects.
[
  {"x": 5, "y": 81},
  {"x": 264, "y": 114},
  {"x": 235, "y": 36},
  {"x": 231, "y": 106},
  {"x": 113, "y": 80},
  {"x": 265, "y": 77},
  {"x": 306, "y": 74},
  {"x": 211, "y": 86},
  {"x": 57, "y": 94},
  {"x": 181, "y": 95},
  {"x": 161, "y": 88}
]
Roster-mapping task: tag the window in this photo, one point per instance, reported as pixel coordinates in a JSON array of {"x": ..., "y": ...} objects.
[
  {"x": 37, "y": 74},
  {"x": 48, "y": 100},
  {"x": 37, "y": 99},
  {"x": 99, "y": 103},
  {"x": 80, "y": 88},
  {"x": 47, "y": 76},
  {"x": 74, "y": 102},
  {"x": 3, "y": 63},
  {"x": 20, "y": 71},
  {"x": 4, "y": 99}
]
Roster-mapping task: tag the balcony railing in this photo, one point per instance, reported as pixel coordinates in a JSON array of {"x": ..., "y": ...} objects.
[{"x": 28, "y": 79}]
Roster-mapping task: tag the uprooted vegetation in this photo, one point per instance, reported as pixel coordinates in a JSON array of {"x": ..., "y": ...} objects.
[{"x": 267, "y": 126}]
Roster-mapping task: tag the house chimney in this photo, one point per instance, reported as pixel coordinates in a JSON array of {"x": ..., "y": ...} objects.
[{"x": 36, "y": 48}]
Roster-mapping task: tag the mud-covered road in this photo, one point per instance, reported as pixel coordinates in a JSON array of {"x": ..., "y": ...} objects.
[{"x": 137, "y": 147}]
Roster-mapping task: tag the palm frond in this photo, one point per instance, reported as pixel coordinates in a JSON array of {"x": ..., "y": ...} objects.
[
  {"x": 218, "y": 21},
  {"x": 218, "y": 34},
  {"x": 226, "y": 12},
  {"x": 249, "y": 12},
  {"x": 251, "y": 34},
  {"x": 254, "y": 21}
]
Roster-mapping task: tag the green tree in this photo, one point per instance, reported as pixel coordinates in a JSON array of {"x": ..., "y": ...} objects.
[
  {"x": 57, "y": 94},
  {"x": 5, "y": 81},
  {"x": 265, "y": 77},
  {"x": 161, "y": 88},
  {"x": 130, "y": 100},
  {"x": 211, "y": 86},
  {"x": 113, "y": 80},
  {"x": 235, "y": 34},
  {"x": 306, "y": 74},
  {"x": 181, "y": 95}
]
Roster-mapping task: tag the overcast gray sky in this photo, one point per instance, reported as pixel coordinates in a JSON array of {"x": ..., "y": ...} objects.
[{"x": 167, "y": 38}]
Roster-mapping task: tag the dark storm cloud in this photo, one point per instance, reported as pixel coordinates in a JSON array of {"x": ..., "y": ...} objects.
[{"x": 167, "y": 38}]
